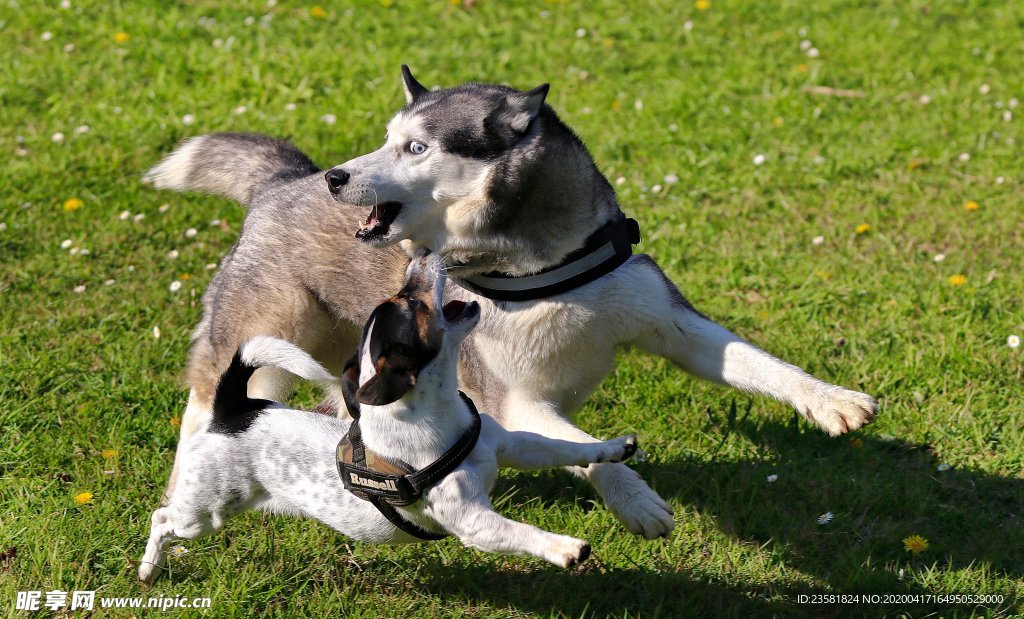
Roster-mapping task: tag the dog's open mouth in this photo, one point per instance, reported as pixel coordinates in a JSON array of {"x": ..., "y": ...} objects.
[
  {"x": 378, "y": 224},
  {"x": 457, "y": 311}
]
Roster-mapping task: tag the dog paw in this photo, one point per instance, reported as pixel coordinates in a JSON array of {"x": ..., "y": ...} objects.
[
  {"x": 617, "y": 449},
  {"x": 148, "y": 571},
  {"x": 632, "y": 501},
  {"x": 567, "y": 551},
  {"x": 837, "y": 410}
]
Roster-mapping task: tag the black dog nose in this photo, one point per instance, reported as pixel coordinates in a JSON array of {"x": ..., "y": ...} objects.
[{"x": 336, "y": 179}]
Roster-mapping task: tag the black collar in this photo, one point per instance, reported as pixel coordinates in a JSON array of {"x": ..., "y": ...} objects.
[
  {"x": 386, "y": 483},
  {"x": 603, "y": 252}
]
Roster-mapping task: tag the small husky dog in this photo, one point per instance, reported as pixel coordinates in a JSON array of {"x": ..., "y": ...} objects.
[
  {"x": 492, "y": 180},
  {"x": 404, "y": 391}
]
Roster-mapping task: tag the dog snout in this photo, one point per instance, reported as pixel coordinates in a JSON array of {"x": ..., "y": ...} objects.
[{"x": 336, "y": 179}]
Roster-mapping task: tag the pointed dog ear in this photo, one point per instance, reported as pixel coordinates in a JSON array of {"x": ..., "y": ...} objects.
[
  {"x": 519, "y": 109},
  {"x": 349, "y": 385},
  {"x": 386, "y": 386},
  {"x": 413, "y": 89}
]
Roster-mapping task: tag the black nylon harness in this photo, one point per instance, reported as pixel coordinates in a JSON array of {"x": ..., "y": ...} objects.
[
  {"x": 387, "y": 483},
  {"x": 604, "y": 251}
]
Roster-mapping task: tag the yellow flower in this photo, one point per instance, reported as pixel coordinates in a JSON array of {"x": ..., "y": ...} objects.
[
  {"x": 777, "y": 121},
  {"x": 608, "y": 43},
  {"x": 83, "y": 497},
  {"x": 184, "y": 277},
  {"x": 616, "y": 105},
  {"x": 957, "y": 280},
  {"x": 914, "y": 164},
  {"x": 108, "y": 453},
  {"x": 702, "y": 5},
  {"x": 121, "y": 37},
  {"x": 971, "y": 205},
  {"x": 915, "y": 544},
  {"x": 801, "y": 68},
  {"x": 175, "y": 421},
  {"x": 825, "y": 275},
  {"x": 386, "y": 3},
  {"x": 862, "y": 228},
  {"x": 318, "y": 12},
  {"x": 72, "y": 204}
]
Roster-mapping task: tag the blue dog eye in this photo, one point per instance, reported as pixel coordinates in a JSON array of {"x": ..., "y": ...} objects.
[{"x": 417, "y": 148}]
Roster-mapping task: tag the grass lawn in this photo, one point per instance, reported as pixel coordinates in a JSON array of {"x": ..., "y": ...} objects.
[{"x": 873, "y": 235}]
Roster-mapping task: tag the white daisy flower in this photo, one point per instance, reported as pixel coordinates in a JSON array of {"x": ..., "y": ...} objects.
[
  {"x": 818, "y": 240},
  {"x": 46, "y": 36},
  {"x": 248, "y": 21},
  {"x": 772, "y": 478},
  {"x": 130, "y": 268},
  {"x": 964, "y": 157},
  {"x": 79, "y": 289},
  {"x": 172, "y": 255},
  {"x": 139, "y": 217},
  {"x": 290, "y": 107},
  {"x": 329, "y": 119},
  {"x": 124, "y": 215},
  {"x": 241, "y": 109},
  {"x": 813, "y": 52},
  {"x": 57, "y": 138},
  {"x": 939, "y": 257},
  {"x": 74, "y": 251},
  {"x": 83, "y": 252},
  {"x": 211, "y": 266},
  {"x": 1000, "y": 180},
  {"x": 673, "y": 127},
  {"x": 687, "y": 26},
  {"x": 805, "y": 45},
  {"x": 109, "y": 282},
  {"x": 638, "y": 105},
  {"x": 671, "y": 179},
  {"x": 825, "y": 518},
  {"x": 68, "y": 48},
  {"x": 83, "y": 129},
  {"x": 156, "y": 331},
  {"x": 984, "y": 89},
  {"x": 175, "y": 286},
  {"x": 1013, "y": 341},
  {"x": 656, "y": 189},
  {"x": 620, "y": 180},
  {"x": 188, "y": 119},
  {"x": 943, "y": 467},
  {"x": 214, "y": 222},
  {"x": 191, "y": 233},
  {"x": 581, "y": 32},
  {"x": 924, "y": 99},
  {"x": 65, "y": 4},
  {"x": 3, "y": 226},
  {"x": 1007, "y": 116},
  {"x": 759, "y": 159},
  {"x": 163, "y": 208},
  {"x": 178, "y": 551}
]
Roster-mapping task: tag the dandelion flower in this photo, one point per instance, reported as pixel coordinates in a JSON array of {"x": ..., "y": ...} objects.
[
  {"x": 66, "y": 243},
  {"x": 759, "y": 159},
  {"x": 915, "y": 544},
  {"x": 178, "y": 551},
  {"x": 772, "y": 478},
  {"x": 79, "y": 289},
  {"x": 73, "y": 204},
  {"x": 943, "y": 467},
  {"x": 156, "y": 332},
  {"x": 108, "y": 453},
  {"x": 175, "y": 286},
  {"x": 175, "y": 421},
  {"x": 801, "y": 68},
  {"x": 318, "y": 12},
  {"x": 778, "y": 121},
  {"x": 121, "y": 37},
  {"x": 818, "y": 240},
  {"x": 702, "y": 5},
  {"x": 957, "y": 280},
  {"x": 862, "y": 228},
  {"x": 971, "y": 205},
  {"x": 1013, "y": 341},
  {"x": 83, "y": 498},
  {"x": 825, "y": 518}
]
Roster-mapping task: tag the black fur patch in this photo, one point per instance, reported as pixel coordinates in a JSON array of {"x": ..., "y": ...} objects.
[{"x": 233, "y": 410}]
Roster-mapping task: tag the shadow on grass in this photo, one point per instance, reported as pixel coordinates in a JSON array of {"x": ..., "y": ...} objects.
[{"x": 880, "y": 492}]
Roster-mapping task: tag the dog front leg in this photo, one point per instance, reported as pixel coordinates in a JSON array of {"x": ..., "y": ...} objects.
[
  {"x": 529, "y": 451},
  {"x": 461, "y": 507},
  {"x": 672, "y": 328},
  {"x": 624, "y": 492}
]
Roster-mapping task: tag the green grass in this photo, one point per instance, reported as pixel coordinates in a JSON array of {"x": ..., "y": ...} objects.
[{"x": 82, "y": 372}]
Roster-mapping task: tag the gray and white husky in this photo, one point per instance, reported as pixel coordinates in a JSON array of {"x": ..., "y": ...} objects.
[{"x": 492, "y": 180}]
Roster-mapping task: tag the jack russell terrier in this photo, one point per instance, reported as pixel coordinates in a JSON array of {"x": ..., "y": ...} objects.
[{"x": 417, "y": 462}]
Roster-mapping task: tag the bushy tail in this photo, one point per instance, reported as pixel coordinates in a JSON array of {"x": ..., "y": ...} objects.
[{"x": 234, "y": 165}]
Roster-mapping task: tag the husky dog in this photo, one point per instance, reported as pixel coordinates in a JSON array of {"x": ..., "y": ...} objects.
[
  {"x": 492, "y": 180},
  {"x": 402, "y": 387}
]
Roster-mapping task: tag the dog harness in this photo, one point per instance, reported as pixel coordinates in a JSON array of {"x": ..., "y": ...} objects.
[
  {"x": 387, "y": 482},
  {"x": 604, "y": 251}
]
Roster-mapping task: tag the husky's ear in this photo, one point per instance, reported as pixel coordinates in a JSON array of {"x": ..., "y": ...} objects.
[
  {"x": 349, "y": 386},
  {"x": 413, "y": 89},
  {"x": 521, "y": 108},
  {"x": 386, "y": 386}
]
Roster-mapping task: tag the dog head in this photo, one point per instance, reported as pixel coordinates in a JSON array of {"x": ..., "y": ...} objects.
[
  {"x": 483, "y": 174},
  {"x": 408, "y": 338}
]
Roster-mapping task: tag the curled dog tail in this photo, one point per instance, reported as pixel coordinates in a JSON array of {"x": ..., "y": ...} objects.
[
  {"x": 233, "y": 409},
  {"x": 234, "y": 165}
]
